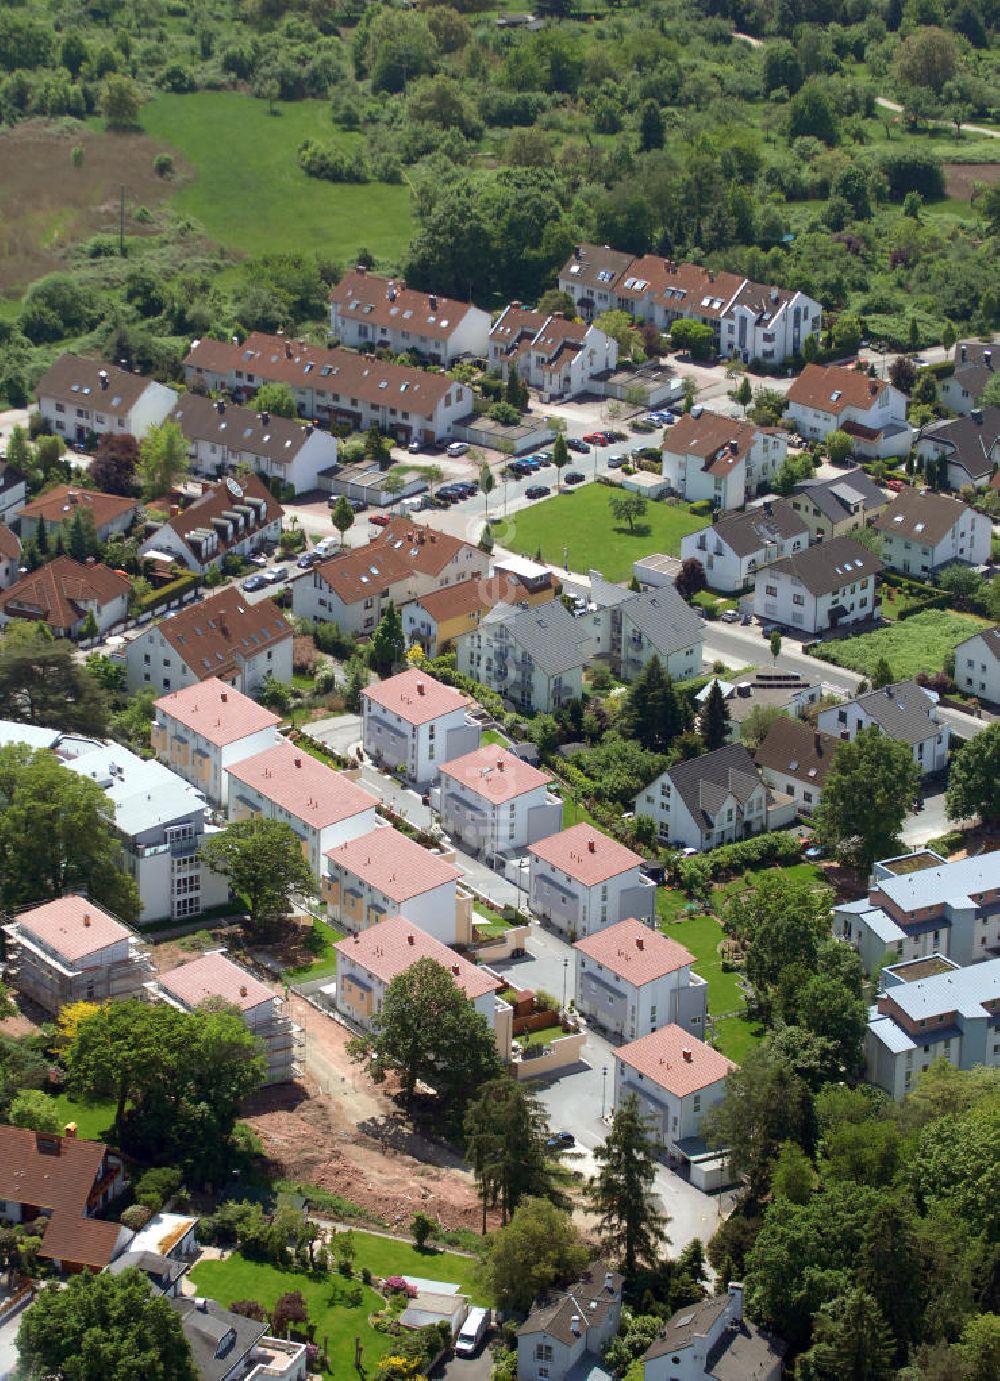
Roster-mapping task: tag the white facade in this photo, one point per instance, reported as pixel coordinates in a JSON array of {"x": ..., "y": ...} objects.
[
  {"x": 247, "y": 801},
  {"x": 929, "y": 742},
  {"x": 730, "y": 567},
  {"x": 371, "y": 312},
  {"x": 198, "y": 760},
  {"x": 215, "y": 458},
  {"x": 13, "y": 493},
  {"x": 493, "y": 828},
  {"x": 779, "y": 596},
  {"x": 977, "y": 666},
  {"x": 516, "y": 653},
  {"x": 711, "y": 1339},
  {"x": 155, "y": 663},
  {"x": 385, "y": 873},
  {"x": 673, "y": 1116},
  {"x": 419, "y": 749},
  {"x": 560, "y": 890},
  {"x": 94, "y": 412},
  {"x": 877, "y": 427},
  {"x": 629, "y": 1006},
  {"x": 722, "y": 808},
  {"x": 728, "y": 485},
  {"x": 967, "y": 541}
]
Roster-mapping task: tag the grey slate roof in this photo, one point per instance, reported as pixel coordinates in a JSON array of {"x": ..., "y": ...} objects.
[
  {"x": 835, "y": 498},
  {"x": 217, "y": 1337},
  {"x": 967, "y": 441},
  {"x": 990, "y": 636},
  {"x": 951, "y": 882},
  {"x": 666, "y": 619},
  {"x": 705, "y": 782},
  {"x": 902, "y": 711},
  {"x": 605, "y": 594},
  {"x": 160, "y": 1271},
  {"x": 972, "y": 371},
  {"x": 549, "y": 633},
  {"x": 588, "y": 1299},
  {"x": 828, "y": 566},
  {"x": 745, "y": 533},
  {"x": 742, "y": 1353}
]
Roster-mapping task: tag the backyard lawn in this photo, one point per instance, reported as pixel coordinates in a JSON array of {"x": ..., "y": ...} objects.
[
  {"x": 93, "y": 1120},
  {"x": 385, "y": 1256},
  {"x": 267, "y": 205},
  {"x": 702, "y": 935},
  {"x": 918, "y": 644},
  {"x": 582, "y": 523},
  {"x": 324, "y": 961}
]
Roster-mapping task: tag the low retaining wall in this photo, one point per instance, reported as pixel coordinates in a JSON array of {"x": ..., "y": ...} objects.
[
  {"x": 558, "y": 1055},
  {"x": 503, "y": 946}
]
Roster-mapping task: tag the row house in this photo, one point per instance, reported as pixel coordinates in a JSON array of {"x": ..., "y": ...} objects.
[
  {"x": 323, "y": 807},
  {"x": 676, "y": 1079},
  {"x": 109, "y": 513},
  {"x": 78, "y": 398},
  {"x": 334, "y": 386},
  {"x": 721, "y": 458},
  {"x": 224, "y": 438},
  {"x": 826, "y": 398},
  {"x": 975, "y": 366},
  {"x": 371, "y": 312},
  {"x": 413, "y": 723},
  {"x": 214, "y": 977},
  {"x": 969, "y": 445},
  {"x": 904, "y": 712},
  {"x": 199, "y": 731},
  {"x": 233, "y": 517},
  {"x": 922, "y": 531},
  {"x": 434, "y": 621},
  {"x": 631, "y": 979},
  {"x": 795, "y": 759},
  {"x": 161, "y": 822},
  {"x": 835, "y": 507},
  {"x": 581, "y": 881},
  {"x": 567, "y": 1331},
  {"x": 558, "y": 356},
  {"x": 404, "y": 562},
  {"x": 630, "y": 628},
  {"x": 369, "y": 960},
  {"x": 70, "y": 950},
  {"x": 977, "y": 665},
  {"x": 735, "y": 548},
  {"x": 494, "y": 804},
  {"x": 717, "y": 798},
  {"x": 532, "y": 657},
  {"x": 919, "y": 905},
  {"x": 826, "y": 586},
  {"x": 224, "y": 638},
  {"x": 930, "y": 1009},
  {"x": 62, "y": 593},
  {"x": 750, "y": 321},
  {"x": 386, "y": 873}
]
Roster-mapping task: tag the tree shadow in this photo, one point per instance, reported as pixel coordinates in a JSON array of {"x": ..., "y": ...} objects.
[{"x": 639, "y": 530}]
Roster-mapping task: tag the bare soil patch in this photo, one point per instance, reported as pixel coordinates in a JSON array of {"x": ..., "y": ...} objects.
[
  {"x": 49, "y": 205},
  {"x": 959, "y": 178}
]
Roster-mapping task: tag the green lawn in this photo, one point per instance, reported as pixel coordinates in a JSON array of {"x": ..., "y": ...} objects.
[
  {"x": 702, "y": 935},
  {"x": 250, "y": 194},
  {"x": 494, "y": 737},
  {"x": 324, "y": 962},
  {"x": 918, "y": 644},
  {"x": 384, "y": 1256},
  {"x": 575, "y": 814},
  {"x": 546, "y": 1036},
  {"x": 93, "y": 1120},
  {"x": 582, "y": 523},
  {"x": 737, "y": 1036},
  {"x": 239, "y": 1279}
]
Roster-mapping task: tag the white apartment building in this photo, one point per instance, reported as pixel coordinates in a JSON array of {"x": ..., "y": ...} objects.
[
  {"x": 823, "y": 587},
  {"x": 825, "y": 398},
  {"x": 721, "y": 458},
  {"x": 712, "y": 1339},
  {"x": 532, "y": 657},
  {"x": 162, "y": 822},
  {"x": 796, "y": 759},
  {"x": 369, "y": 960},
  {"x": 919, "y": 905},
  {"x": 904, "y": 712},
  {"x": 930, "y": 1009},
  {"x": 10, "y": 557},
  {"x": 406, "y": 560},
  {"x": 334, "y": 385},
  {"x": 78, "y": 397},
  {"x": 224, "y": 438},
  {"x": 676, "y": 1078},
  {"x": 233, "y": 517},
  {"x": 386, "y": 873},
  {"x": 558, "y": 356},
  {"x": 630, "y": 628},
  {"x": 631, "y": 979},
  {"x": 13, "y": 492},
  {"x": 735, "y": 548},
  {"x": 977, "y": 665},
  {"x": 580, "y": 881},
  {"x": 224, "y": 638},
  {"x": 371, "y": 312},
  {"x": 922, "y": 531},
  {"x": 413, "y": 722},
  {"x": 199, "y": 731},
  {"x": 701, "y": 803},
  {"x": 214, "y": 977},
  {"x": 70, "y": 950},
  {"x": 322, "y": 806},
  {"x": 494, "y": 804}
]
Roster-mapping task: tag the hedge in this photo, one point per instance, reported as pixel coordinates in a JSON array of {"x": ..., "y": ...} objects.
[
  {"x": 172, "y": 590},
  {"x": 762, "y": 851}
]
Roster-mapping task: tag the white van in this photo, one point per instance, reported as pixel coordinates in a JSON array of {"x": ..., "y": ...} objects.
[
  {"x": 472, "y": 1332},
  {"x": 413, "y": 505}
]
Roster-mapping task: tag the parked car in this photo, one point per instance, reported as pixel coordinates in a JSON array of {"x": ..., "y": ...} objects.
[
  {"x": 615, "y": 462},
  {"x": 516, "y": 470},
  {"x": 537, "y": 491},
  {"x": 472, "y": 1332},
  {"x": 258, "y": 560},
  {"x": 594, "y": 438},
  {"x": 414, "y": 448},
  {"x": 310, "y": 559},
  {"x": 255, "y": 582},
  {"x": 276, "y": 575},
  {"x": 730, "y": 616},
  {"x": 458, "y": 448},
  {"x": 573, "y": 443},
  {"x": 616, "y": 436},
  {"x": 574, "y": 477},
  {"x": 560, "y": 1139}
]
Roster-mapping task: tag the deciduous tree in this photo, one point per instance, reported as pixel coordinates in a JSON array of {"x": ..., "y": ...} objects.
[
  {"x": 275, "y": 398},
  {"x": 869, "y": 789},
  {"x": 388, "y": 645},
  {"x": 121, "y": 102},
  {"x": 539, "y": 1248},
  {"x": 342, "y": 517},
  {"x": 628, "y": 508},
  {"x": 974, "y": 778},
  {"x": 766, "y": 1104},
  {"x": 631, "y": 1226},
  {"x": 264, "y": 863},
  {"x": 690, "y": 579},
  {"x": 163, "y": 460},
  {"x": 560, "y": 457}
]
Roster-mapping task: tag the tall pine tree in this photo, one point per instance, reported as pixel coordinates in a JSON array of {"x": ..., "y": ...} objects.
[
  {"x": 714, "y": 719},
  {"x": 630, "y": 1226},
  {"x": 653, "y": 712}
]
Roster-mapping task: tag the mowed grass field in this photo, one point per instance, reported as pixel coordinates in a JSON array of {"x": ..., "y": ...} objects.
[
  {"x": 918, "y": 644},
  {"x": 582, "y": 522},
  {"x": 248, "y": 192}
]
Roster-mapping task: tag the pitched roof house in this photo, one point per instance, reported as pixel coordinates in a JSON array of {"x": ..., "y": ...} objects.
[
  {"x": 582, "y": 880},
  {"x": 226, "y": 1346},
  {"x": 738, "y": 545},
  {"x": 556, "y": 355},
  {"x": 532, "y": 657},
  {"x": 568, "y": 1326},
  {"x": 825, "y": 586},
  {"x": 712, "y": 1341},
  {"x": 977, "y": 665},
  {"x": 435, "y": 620},
  {"x": 416, "y": 723},
  {"x": 969, "y": 445},
  {"x": 826, "y": 398},
  {"x": 386, "y": 873},
  {"x": 976, "y": 363},
  {"x": 229, "y": 518},
  {"x": 630, "y": 979},
  {"x": 371, "y": 312},
  {"x": 630, "y": 628},
  {"x": 225, "y": 637},
  {"x": 922, "y": 531},
  {"x": 110, "y": 513},
  {"x": 904, "y": 711},
  {"x": 494, "y": 803},
  {"x": 10, "y": 557},
  {"x": 13, "y": 492},
  {"x": 63, "y": 592},
  {"x": 714, "y": 799},
  {"x": 835, "y": 507},
  {"x": 223, "y": 437},
  {"x": 721, "y": 458},
  {"x": 796, "y": 759},
  {"x": 77, "y": 397},
  {"x": 200, "y": 730}
]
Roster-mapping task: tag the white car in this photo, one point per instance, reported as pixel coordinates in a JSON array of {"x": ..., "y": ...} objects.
[{"x": 458, "y": 448}]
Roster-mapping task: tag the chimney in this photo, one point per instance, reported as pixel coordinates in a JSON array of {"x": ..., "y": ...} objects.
[
  {"x": 988, "y": 358},
  {"x": 201, "y": 1304},
  {"x": 288, "y": 349},
  {"x": 86, "y": 918},
  {"x": 977, "y": 416},
  {"x": 411, "y": 939},
  {"x": 235, "y": 339},
  {"x": 609, "y": 1283},
  {"x": 455, "y": 970},
  {"x": 736, "y": 1295},
  {"x": 224, "y": 697},
  {"x": 361, "y": 269},
  {"x": 578, "y": 251},
  {"x": 420, "y": 688},
  {"x": 687, "y": 1055},
  {"x": 102, "y": 374},
  {"x": 220, "y": 406},
  {"x": 298, "y": 762},
  {"x": 965, "y": 353},
  {"x": 873, "y": 388},
  {"x": 592, "y": 845},
  {"x": 574, "y": 1324},
  {"x": 499, "y": 764},
  {"x": 69, "y": 1130},
  {"x": 819, "y": 744},
  {"x": 640, "y": 943}
]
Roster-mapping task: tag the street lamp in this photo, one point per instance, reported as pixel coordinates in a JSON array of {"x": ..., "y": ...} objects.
[
  {"x": 604, "y": 1089},
  {"x": 565, "y": 967}
]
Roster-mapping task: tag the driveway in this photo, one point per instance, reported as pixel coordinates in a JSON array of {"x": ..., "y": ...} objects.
[{"x": 467, "y": 1368}]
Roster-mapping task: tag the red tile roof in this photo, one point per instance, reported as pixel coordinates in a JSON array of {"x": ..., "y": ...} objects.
[
  {"x": 719, "y": 442},
  {"x": 300, "y": 784},
  {"x": 215, "y": 637},
  {"x": 676, "y": 1061},
  {"x": 214, "y": 975},
  {"x": 471, "y": 597},
  {"x": 59, "y": 592},
  {"x": 635, "y": 952},
  {"x": 393, "y": 864},
  {"x": 216, "y": 500},
  {"x": 587, "y": 855},
  {"x": 829, "y": 389},
  {"x": 10, "y": 543},
  {"x": 61, "y": 504},
  {"x": 73, "y": 927},
  {"x": 367, "y": 297},
  {"x": 415, "y": 696},
  {"x": 219, "y": 713},
  {"x": 402, "y": 548},
  {"x": 395, "y": 945},
  {"x": 495, "y": 774}
]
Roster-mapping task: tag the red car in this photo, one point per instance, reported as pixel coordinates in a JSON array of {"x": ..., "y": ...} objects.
[
  {"x": 379, "y": 519},
  {"x": 596, "y": 439}
]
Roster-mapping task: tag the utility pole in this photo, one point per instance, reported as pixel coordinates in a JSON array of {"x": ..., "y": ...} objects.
[{"x": 121, "y": 221}]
